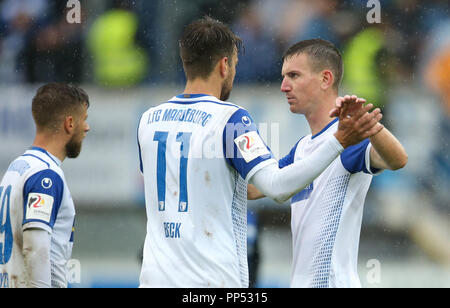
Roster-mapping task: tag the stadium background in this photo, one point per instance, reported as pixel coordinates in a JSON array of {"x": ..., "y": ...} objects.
[{"x": 124, "y": 53}]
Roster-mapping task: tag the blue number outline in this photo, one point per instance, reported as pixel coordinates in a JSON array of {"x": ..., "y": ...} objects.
[
  {"x": 184, "y": 139},
  {"x": 7, "y": 245},
  {"x": 161, "y": 138}
]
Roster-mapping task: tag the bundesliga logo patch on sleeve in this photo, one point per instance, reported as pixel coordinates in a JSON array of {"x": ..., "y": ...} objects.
[
  {"x": 251, "y": 146},
  {"x": 39, "y": 206}
]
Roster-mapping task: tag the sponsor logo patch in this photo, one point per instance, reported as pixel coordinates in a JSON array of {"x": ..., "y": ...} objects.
[
  {"x": 251, "y": 146},
  {"x": 39, "y": 206}
]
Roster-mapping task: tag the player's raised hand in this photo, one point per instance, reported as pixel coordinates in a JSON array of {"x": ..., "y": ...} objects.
[
  {"x": 349, "y": 101},
  {"x": 356, "y": 122}
]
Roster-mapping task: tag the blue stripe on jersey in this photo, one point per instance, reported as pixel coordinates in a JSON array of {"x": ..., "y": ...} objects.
[
  {"x": 45, "y": 152},
  {"x": 304, "y": 194},
  {"x": 239, "y": 124},
  {"x": 325, "y": 129},
  {"x": 141, "y": 166},
  {"x": 330, "y": 207},
  {"x": 200, "y": 101},
  {"x": 354, "y": 158},
  {"x": 72, "y": 233},
  {"x": 36, "y": 184},
  {"x": 289, "y": 159},
  {"x": 191, "y": 95}
]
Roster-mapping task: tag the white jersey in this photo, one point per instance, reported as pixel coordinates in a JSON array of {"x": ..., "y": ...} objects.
[
  {"x": 326, "y": 216},
  {"x": 197, "y": 153},
  {"x": 34, "y": 194}
]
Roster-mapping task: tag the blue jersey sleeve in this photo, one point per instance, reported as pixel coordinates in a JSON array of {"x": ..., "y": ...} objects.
[
  {"x": 42, "y": 195},
  {"x": 354, "y": 158},
  {"x": 243, "y": 146}
]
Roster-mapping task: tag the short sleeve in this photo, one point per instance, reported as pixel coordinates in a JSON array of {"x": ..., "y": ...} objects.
[
  {"x": 356, "y": 158},
  {"x": 244, "y": 149},
  {"x": 42, "y": 195}
]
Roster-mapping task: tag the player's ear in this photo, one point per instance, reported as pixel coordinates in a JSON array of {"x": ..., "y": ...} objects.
[
  {"x": 69, "y": 124},
  {"x": 224, "y": 67},
  {"x": 327, "y": 80}
]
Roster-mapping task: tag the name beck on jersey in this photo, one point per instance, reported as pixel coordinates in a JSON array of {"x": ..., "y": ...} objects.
[{"x": 172, "y": 229}]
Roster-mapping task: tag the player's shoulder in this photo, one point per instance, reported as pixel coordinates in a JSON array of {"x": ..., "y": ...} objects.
[{"x": 36, "y": 160}]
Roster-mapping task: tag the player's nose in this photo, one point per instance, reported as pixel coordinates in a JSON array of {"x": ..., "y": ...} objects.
[{"x": 285, "y": 86}]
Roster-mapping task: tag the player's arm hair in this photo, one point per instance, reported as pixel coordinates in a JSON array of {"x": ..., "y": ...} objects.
[
  {"x": 36, "y": 252},
  {"x": 387, "y": 152},
  {"x": 282, "y": 184}
]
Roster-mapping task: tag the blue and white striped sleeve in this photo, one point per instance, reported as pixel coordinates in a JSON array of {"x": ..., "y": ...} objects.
[
  {"x": 42, "y": 195},
  {"x": 356, "y": 158},
  {"x": 244, "y": 149}
]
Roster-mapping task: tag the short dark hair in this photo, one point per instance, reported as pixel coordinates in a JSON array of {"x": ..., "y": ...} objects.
[
  {"x": 203, "y": 43},
  {"x": 54, "y": 101},
  {"x": 322, "y": 54}
]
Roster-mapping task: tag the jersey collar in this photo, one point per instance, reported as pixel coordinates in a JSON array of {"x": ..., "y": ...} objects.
[
  {"x": 52, "y": 157},
  {"x": 191, "y": 95},
  {"x": 326, "y": 128}
]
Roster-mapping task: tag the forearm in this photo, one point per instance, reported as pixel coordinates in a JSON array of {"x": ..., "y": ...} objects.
[
  {"x": 387, "y": 152},
  {"x": 253, "y": 193},
  {"x": 283, "y": 184},
  {"x": 36, "y": 251}
]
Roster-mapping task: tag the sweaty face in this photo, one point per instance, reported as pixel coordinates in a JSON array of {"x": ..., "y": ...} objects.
[
  {"x": 227, "y": 85},
  {"x": 73, "y": 146},
  {"x": 300, "y": 84}
]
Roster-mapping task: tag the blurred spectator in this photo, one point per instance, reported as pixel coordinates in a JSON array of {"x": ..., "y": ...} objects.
[
  {"x": 319, "y": 23},
  {"x": 53, "y": 50},
  {"x": 118, "y": 60},
  {"x": 17, "y": 17},
  {"x": 437, "y": 78},
  {"x": 260, "y": 61},
  {"x": 362, "y": 75}
]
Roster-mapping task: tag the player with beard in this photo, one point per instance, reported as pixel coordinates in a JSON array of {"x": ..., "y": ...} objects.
[
  {"x": 198, "y": 152},
  {"x": 37, "y": 213}
]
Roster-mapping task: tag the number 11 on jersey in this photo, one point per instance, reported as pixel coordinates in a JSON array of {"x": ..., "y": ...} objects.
[{"x": 184, "y": 139}]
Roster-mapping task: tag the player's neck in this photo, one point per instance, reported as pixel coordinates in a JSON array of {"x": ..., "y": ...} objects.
[
  {"x": 200, "y": 86},
  {"x": 319, "y": 118},
  {"x": 51, "y": 145}
]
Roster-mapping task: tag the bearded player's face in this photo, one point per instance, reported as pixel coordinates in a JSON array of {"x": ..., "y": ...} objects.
[{"x": 73, "y": 146}]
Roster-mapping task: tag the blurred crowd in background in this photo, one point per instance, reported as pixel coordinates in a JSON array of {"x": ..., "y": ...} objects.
[
  {"x": 122, "y": 43},
  {"x": 126, "y": 44}
]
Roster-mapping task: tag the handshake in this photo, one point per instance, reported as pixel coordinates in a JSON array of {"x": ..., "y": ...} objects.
[{"x": 356, "y": 122}]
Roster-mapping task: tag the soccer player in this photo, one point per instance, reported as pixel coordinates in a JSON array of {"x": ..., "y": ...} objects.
[
  {"x": 37, "y": 214},
  {"x": 326, "y": 216},
  {"x": 197, "y": 153}
]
